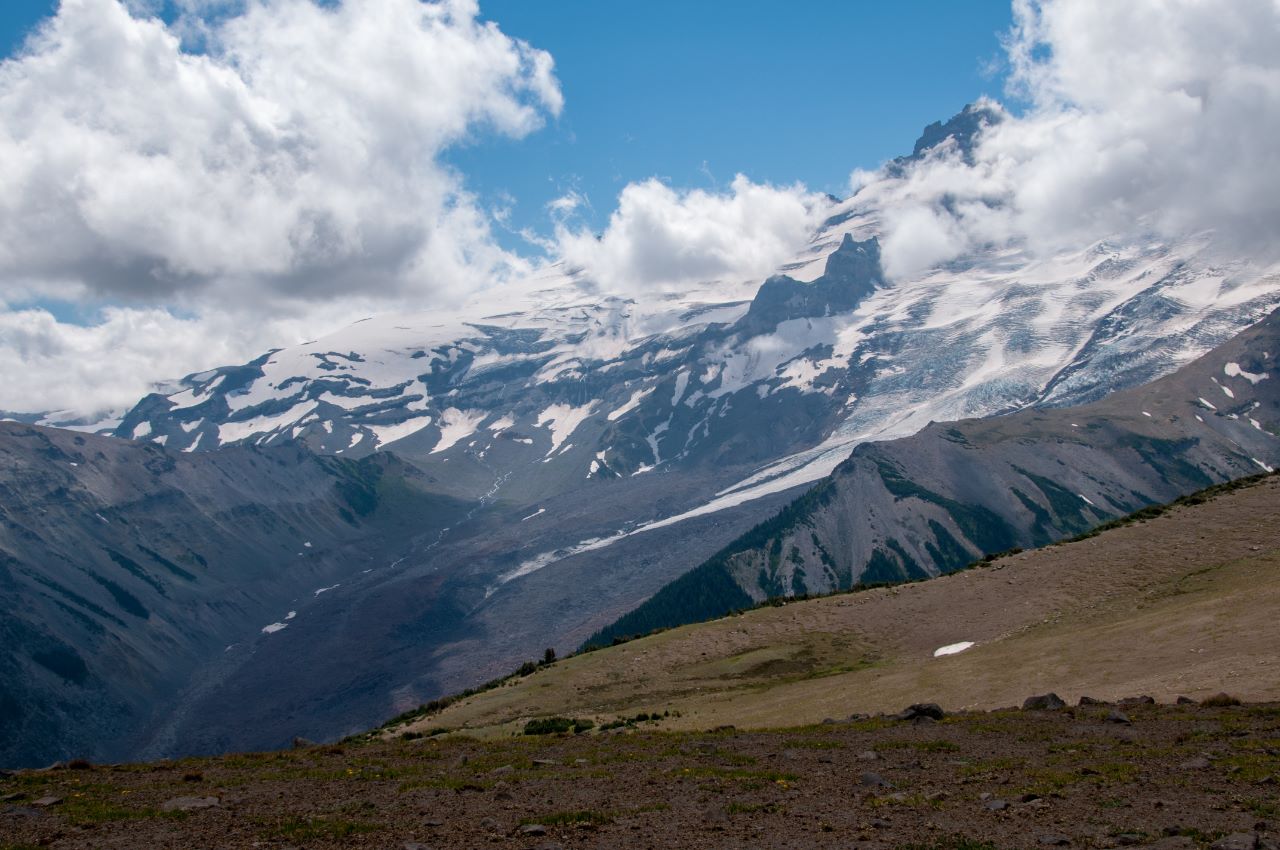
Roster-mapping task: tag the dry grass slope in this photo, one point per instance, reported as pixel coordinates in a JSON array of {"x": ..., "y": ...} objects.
[{"x": 1182, "y": 604}]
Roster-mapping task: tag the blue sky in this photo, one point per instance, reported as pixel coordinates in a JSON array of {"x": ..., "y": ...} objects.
[{"x": 695, "y": 92}]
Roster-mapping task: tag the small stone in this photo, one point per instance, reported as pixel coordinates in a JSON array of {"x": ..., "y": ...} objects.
[
  {"x": 880, "y": 823},
  {"x": 9, "y": 798},
  {"x": 534, "y": 829},
  {"x": 303, "y": 743},
  {"x": 433, "y": 822},
  {"x": 488, "y": 823},
  {"x": 1197, "y": 763},
  {"x": 1028, "y": 798},
  {"x": 413, "y": 845},
  {"x": 869, "y": 755},
  {"x": 1236, "y": 841},
  {"x": 46, "y": 802},
  {"x": 1044, "y": 702},
  {"x": 996, "y": 805},
  {"x": 1184, "y": 701},
  {"x": 1117, "y": 716},
  {"x": 545, "y": 763},
  {"x": 1128, "y": 839},
  {"x": 1054, "y": 840},
  {"x": 550, "y": 845},
  {"x": 937, "y": 796},
  {"x": 1142, "y": 700},
  {"x": 1173, "y": 842},
  {"x": 874, "y": 780},
  {"x": 985, "y": 795},
  {"x": 506, "y": 768},
  {"x": 1092, "y": 701},
  {"x": 188, "y": 804}
]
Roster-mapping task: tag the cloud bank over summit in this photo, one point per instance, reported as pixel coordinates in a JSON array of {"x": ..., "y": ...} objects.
[
  {"x": 254, "y": 173},
  {"x": 1152, "y": 115}
]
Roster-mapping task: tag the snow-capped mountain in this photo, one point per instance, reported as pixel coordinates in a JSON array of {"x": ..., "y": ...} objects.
[
  {"x": 592, "y": 446},
  {"x": 564, "y": 386}
]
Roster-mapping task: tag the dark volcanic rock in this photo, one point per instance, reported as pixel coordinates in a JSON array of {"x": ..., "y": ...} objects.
[{"x": 1044, "y": 702}]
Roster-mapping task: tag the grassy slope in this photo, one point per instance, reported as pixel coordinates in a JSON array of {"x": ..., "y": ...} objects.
[{"x": 1180, "y": 604}]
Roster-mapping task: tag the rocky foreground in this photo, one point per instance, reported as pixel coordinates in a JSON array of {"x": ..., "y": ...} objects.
[{"x": 1091, "y": 776}]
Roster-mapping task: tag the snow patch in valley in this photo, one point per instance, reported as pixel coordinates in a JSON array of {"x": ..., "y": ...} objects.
[
  {"x": 952, "y": 648},
  {"x": 274, "y": 627}
]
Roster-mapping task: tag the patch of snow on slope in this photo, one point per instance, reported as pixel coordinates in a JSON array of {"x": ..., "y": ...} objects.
[
  {"x": 456, "y": 425},
  {"x": 631, "y": 404},
  {"x": 229, "y": 432},
  {"x": 563, "y": 420},
  {"x": 1233, "y": 370},
  {"x": 387, "y": 434},
  {"x": 952, "y": 648}
]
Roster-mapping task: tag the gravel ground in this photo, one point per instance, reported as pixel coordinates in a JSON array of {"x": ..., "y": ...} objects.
[{"x": 1174, "y": 776}]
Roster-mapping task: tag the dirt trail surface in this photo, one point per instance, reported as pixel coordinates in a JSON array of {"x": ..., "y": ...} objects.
[
  {"x": 1185, "y": 603},
  {"x": 1172, "y": 777}
]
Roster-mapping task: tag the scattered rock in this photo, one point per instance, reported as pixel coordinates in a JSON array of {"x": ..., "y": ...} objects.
[
  {"x": 534, "y": 829},
  {"x": 937, "y": 796},
  {"x": 880, "y": 823},
  {"x": 550, "y": 845},
  {"x": 1128, "y": 839},
  {"x": 1184, "y": 701},
  {"x": 490, "y": 824},
  {"x": 1044, "y": 702},
  {"x": 1236, "y": 841},
  {"x": 1197, "y": 763},
  {"x": 996, "y": 805},
  {"x": 1054, "y": 840},
  {"x": 545, "y": 763},
  {"x": 413, "y": 845},
  {"x": 303, "y": 743},
  {"x": 46, "y": 802},
  {"x": 874, "y": 780},
  {"x": 1173, "y": 842},
  {"x": 1117, "y": 716},
  {"x": 869, "y": 755},
  {"x": 188, "y": 804},
  {"x": 506, "y": 768},
  {"x": 1092, "y": 701},
  {"x": 433, "y": 822},
  {"x": 930, "y": 710},
  {"x": 1028, "y": 798},
  {"x": 1142, "y": 700},
  {"x": 9, "y": 798}
]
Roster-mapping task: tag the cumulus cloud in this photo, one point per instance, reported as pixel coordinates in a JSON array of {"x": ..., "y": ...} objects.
[
  {"x": 659, "y": 236},
  {"x": 294, "y": 155},
  {"x": 239, "y": 176},
  {"x": 1149, "y": 115}
]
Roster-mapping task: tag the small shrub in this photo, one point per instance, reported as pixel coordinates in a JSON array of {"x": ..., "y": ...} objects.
[
  {"x": 548, "y": 726},
  {"x": 1220, "y": 701}
]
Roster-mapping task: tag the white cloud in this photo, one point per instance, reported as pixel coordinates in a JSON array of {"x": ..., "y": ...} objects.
[
  {"x": 659, "y": 236},
  {"x": 256, "y": 159},
  {"x": 299, "y": 152},
  {"x": 1148, "y": 115}
]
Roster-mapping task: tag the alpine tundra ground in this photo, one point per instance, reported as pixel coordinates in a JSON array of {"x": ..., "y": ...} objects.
[{"x": 1172, "y": 777}]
